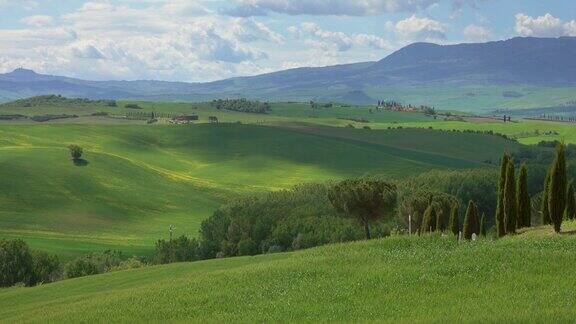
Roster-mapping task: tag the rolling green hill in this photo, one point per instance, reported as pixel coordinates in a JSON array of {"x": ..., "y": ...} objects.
[
  {"x": 140, "y": 179},
  {"x": 523, "y": 278}
]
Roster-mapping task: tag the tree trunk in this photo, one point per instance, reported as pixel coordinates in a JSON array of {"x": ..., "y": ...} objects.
[{"x": 367, "y": 229}]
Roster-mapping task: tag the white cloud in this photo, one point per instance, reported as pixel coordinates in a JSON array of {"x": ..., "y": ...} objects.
[
  {"x": 38, "y": 21},
  {"x": 544, "y": 26},
  {"x": 570, "y": 28},
  {"x": 477, "y": 33},
  {"x": 173, "y": 40},
  {"x": 249, "y": 30},
  {"x": 419, "y": 29},
  {"x": 336, "y": 7},
  {"x": 338, "y": 41}
]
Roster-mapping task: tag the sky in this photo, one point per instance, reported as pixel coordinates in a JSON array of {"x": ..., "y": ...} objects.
[{"x": 206, "y": 40}]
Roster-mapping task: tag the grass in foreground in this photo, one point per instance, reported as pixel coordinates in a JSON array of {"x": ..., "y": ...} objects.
[{"x": 525, "y": 278}]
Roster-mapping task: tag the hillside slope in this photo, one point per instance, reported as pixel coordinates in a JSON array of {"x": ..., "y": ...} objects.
[
  {"x": 140, "y": 179},
  {"x": 525, "y": 278}
]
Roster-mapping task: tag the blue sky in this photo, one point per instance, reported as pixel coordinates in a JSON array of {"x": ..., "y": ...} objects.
[{"x": 205, "y": 40}]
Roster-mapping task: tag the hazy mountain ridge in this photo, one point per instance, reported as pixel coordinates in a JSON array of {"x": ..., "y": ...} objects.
[{"x": 519, "y": 61}]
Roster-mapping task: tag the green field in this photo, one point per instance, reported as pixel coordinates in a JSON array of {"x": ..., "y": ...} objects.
[
  {"x": 140, "y": 179},
  {"x": 523, "y": 278}
]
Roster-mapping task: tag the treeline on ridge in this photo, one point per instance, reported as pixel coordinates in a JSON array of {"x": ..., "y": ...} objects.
[
  {"x": 57, "y": 100},
  {"x": 242, "y": 105}
]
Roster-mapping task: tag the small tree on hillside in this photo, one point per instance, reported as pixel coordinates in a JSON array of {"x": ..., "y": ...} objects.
[
  {"x": 454, "y": 224},
  {"x": 364, "y": 199},
  {"x": 500, "y": 224},
  {"x": 570, "y": 212},
  {"x": 75, "y": 152},
  {"x": 510, "y": 200},
  {"x": 558, "y": 188},
  {"x": 524, "y": 205},
  {"x": 544, "y": 210},
  {"x": 470, "y": 221}
]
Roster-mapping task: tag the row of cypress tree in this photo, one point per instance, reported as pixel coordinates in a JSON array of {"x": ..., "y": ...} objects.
[
  {"x": 558, "y": 201},
  {"x": 473, "y": 223},
  {"x": 514, "y": 203},
  {"x": 513, "y": 209}
]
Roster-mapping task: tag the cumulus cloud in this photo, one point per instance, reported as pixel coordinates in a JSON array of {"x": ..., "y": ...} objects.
[
  {"x": 175, "y": 40},
  {"x": 477, "y": 33},
  {"x": 38, "y": 21},
  {"x": 419, "y": 29},
  {"x": 335, "y": 7},
  {"x": 543, "y": 26},
  {"x": 339, "y": 41}
]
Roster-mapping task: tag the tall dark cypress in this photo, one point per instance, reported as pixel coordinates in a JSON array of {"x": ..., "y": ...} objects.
[
  {"x": 544, "y": 210},
  {"x": 510, "y": 200},
  {"x": 483, "y": 226},
  {"x": 524, "y": 208},
  {"x": 570, "y": 212},
  {"x": 470, "y": 221},
  {"x": 429, "y": 220},
  {"x": 558, "y": 188},
  {"x": 440, "y": 222},
  {"x": 454, "y": 224},
  {"x": 500, "y": 225}
]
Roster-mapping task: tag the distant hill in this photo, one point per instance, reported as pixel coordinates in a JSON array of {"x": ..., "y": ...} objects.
[{"x": 538, "y": 62}]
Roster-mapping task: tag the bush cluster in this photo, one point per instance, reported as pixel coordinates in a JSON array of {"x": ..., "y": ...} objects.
[{"x": 242, "y": 105}]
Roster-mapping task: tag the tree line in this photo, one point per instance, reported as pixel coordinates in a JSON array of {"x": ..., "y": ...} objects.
[
  {"x": 242, "y": 105},
  {"x": 58, "y": 100}
]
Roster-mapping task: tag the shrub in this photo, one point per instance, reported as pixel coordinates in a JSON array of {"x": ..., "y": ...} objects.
[
  {"x": 47, "y": 268},
  {"x": 79, "y": 268},
  {"x": 16, "y": 263},
  {"x": 247, "y": 247},
  {"x": 182, "y": 249},
  {"x": 132, "y": 263},
  {"x": 93, "y": 263}
]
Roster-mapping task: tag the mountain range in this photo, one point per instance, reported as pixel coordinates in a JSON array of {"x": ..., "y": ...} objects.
[{"x": 535, "y": 62}]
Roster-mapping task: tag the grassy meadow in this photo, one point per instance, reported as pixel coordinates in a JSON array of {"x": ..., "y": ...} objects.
[
  {"x": 521, "y": 278},
  {"x": 139, "y": 179}
]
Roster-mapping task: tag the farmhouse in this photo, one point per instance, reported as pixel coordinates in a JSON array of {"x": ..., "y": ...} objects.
[{"x": 183, "y": 119}]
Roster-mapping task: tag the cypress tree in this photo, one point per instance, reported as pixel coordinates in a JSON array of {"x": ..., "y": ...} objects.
[
  {"x": 510, "y": 200},
  {"x": 500, "y": 225},
  {"x": 558, "y": 188},
  {"x": 440, "y": 223},
  {"x": 544, "y": 208},
  {"x": 429, "y": 220},
  {"x": 524, "y": 209},
  {"x": 470, "y": 221},
  {"x": 570, "y": 212},
  {"x": 483, "y": 230},
  {"x": 454, "y": 225}
]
